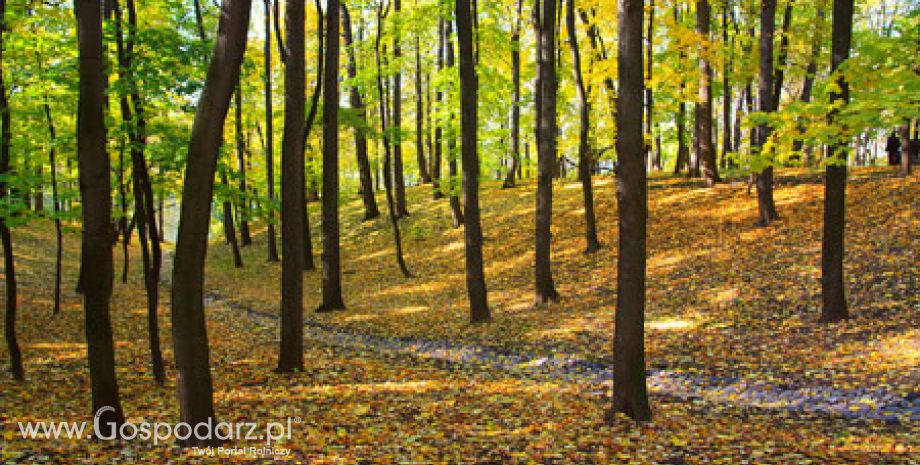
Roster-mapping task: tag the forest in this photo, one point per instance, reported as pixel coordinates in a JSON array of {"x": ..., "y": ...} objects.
[{"x": 460, "y": 231}]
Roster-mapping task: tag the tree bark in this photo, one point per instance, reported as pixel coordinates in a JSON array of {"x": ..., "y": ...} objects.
[
  {"x": 424, "y": 176},
  {"x": 387, "y": 179},
  {"x": 630, "y": 394},
  {"x": 290, "y": 355},
  {"x": 98, "y": 231},
  {"x": 515, "y": 98},
  {"x": 592, "y": 244},
  {"x": 475, "y": 276},
  {"x": 437, "y": 193},
  {"x": 398, "y": 177},
  {"x": 190, "y": 340},
  {"x": 332, "y": 272},
  {"x": 243, "y": 209},
  {"x": 269, "y": 135},
  {"x": 55, "y": 206},
  {"x": 308, "y": 190},
  {"x": 832, "y": 244},
  {"x": 455, "y": 208},
  {"x": 545, "y": 13},
  {"x": 9, "y": 261},
  {"x": 364, "y": 167},
  {"x": 728, "y": 64},
  {"x": 905, "y": 148},
  {"x": 707, "y": 150},
  {"x": 765, "y": 204},
  {"x": 783, "y": 55}
]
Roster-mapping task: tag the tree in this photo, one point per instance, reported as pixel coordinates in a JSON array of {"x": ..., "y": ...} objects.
[
  {"x": 190, "y": 340},
  {"x": 515, "y": 98},
  {"x": 243, "y": 209},
  {"x": 357, "y": 104},
  {"x": 269, "y": 134},
  {"x": 384, "y": 130},
  {"x": 9, "y": 262},
  {"x": 292, "y": 187},
  {"x": 544, "y": 15},
  {"x": 469, "y": 120},
  {"x": 98, "y": 232},
  {"x": 630, "y": 394},
  {"x": 424, "y": 176},
  {"x": 707, "y": 150},
  {"x": 765, "y": 204},
  {"x": 135, "y": 122},
  {"x": 584, "y": 114},
  {"x": 456, "y": 210},
  {"x": 332, "y": 272},
  {"x": 398, "y": 177},
  {"x": 832, "y": 284}
]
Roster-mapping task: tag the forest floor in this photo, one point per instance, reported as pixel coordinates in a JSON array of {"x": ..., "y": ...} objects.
[{"x": 726, "y": 299}]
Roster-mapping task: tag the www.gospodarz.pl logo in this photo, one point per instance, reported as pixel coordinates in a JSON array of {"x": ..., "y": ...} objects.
[{"x": 159, "y": 432}]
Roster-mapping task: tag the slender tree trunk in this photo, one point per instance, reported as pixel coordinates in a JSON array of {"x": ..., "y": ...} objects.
[
  {"x": 123, "y": 227},
  {"x": 229, "y": 228},
  {"x": 437, "y": 192},
  {"x": 707, "y": 150},
  {"x": 55, "y": 206},
  {"x": 630, "y": 394},
  {"x": 455, "y": 208},
  {"x": 243, "y": 209},
  {"x": 475, "y": 276},
  {"x": 387, "y": 179},
  {"x": 308, "y": 189},
  {"x": 332, "y": 272},
  {"x": 424, "y": 176},
  {"x": 515, "y": 98},
  {"x": 765, "y": 203},
  {"x": 98, "y": 231},
  {"x": 9, "y": 262},
  {"x": 783, "y": 55},
  {"x": 364, "y": 167},
  {"x": 398, "y": 177},
  {"x": 132, "y": 109},
  {"x": 649, "y": 94},
  {"x": 290, "y": 355},
  {"x": 545, "y": 12},
  {"x": 905, "y": 148},
  {"x": 832, "y": 245},
  {"x": 728, "y": 64},
  {"x": 190, "y": 340},
  {"x": 269, "y": 135},
  {"x": 584, "y": 112}
]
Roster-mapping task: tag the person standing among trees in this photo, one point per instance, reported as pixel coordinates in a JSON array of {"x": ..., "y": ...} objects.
[{"x": 893, "y": 147}]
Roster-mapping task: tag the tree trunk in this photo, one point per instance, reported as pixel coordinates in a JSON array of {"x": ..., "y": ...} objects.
[
  {"x": 475, "y": 276},
  {"x": 455, "y": 208},
  {"x": 332, "y": 272},
  {"x": 308, "y": 190},
  {"x": 290, "y": 355},
  {"x": 728, "y": 64},
  {"x": 629, "y": 388},
  {"x": 515, "y": 99},
  {"x": 545, "y": 12},
  {"x": 832, "y": 244},
  {"x": 584, "y": 113},
  {"x": 649, "y": 95},
  {"x": 765, "y": 204},
  {"x": 229, "y": 228},
  {"x": 398, "y": 177},
  {"x": 364, "y": 167},
  {"x": 98, "y": 230},
  {"x": 55, "y": 206},
  {"x": 243, "y": 209},
  {"x": 782, "y": 56},
  {"x": 132, "y": 110},
  {"x": 9, "y": 261},
  {"x": 424, "y": 176},
  {"x": 190, "y": 340},
  {"x": 437, "y": 192},
  {"x": 707, "y": 150},
  {"x": 269, "y": 135},
  {"x": 387, "y": 179},
  {"x": 905, "y": 148}
]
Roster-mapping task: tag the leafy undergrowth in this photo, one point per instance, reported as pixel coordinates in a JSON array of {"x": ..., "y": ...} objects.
[
  {"x": 725, "y": 297},
  {"x": 361, "y": 407}
]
